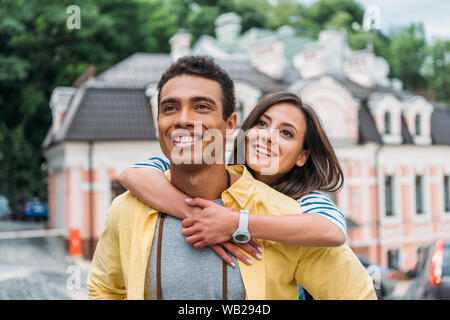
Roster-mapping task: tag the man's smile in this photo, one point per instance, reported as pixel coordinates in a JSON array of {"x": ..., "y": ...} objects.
[{"x": 185, "y": 139}]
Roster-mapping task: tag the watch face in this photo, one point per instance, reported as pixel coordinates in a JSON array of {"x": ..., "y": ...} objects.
[{"x": 241, "y": 238}]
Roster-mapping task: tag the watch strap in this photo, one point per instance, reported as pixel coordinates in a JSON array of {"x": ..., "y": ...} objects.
[{"x": 243, "y": 220}]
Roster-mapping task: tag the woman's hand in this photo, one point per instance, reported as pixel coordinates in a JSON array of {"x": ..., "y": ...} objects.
[
  {"x": 214, "y": 224},
  {"x": 252, "y": 247}
]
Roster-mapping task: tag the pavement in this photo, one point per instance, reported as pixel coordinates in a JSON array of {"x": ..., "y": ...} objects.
[
  {"x": 39, "y": 268},
  {"x": 401, "y": 286},
  {"x": 12, "y": 225}
]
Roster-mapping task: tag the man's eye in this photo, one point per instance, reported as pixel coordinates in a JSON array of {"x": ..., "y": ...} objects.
[
  {"x": 169, "y": 108},
  {"x": 202, "y": 106}
]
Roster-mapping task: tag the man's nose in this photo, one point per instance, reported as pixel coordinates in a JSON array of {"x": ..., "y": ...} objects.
[{"x": 184, "y": 119}]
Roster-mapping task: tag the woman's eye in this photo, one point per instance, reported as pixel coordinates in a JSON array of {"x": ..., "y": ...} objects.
[
  {"x": 261, "y": 123},
  {"x": 287, "y": 133}
]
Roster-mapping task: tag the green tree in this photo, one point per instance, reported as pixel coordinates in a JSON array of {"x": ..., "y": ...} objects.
[
  {"x": 334, "y": 13},
  {"x": 406, "y": 55},
  {"x": 38, "y": 52},
  {"x": 436, "y": 70}
]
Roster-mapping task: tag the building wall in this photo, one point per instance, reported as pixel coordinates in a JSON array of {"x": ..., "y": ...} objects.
[
  {"x": 362, "y": 199},
  {"x": 71, "y": 182}
]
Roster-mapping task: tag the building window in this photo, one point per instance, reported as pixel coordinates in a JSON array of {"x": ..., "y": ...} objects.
[
  {"x": 419, "y": 194},
  {"x": 393, "y": 257},
  {"x": 387, "y": 123},
  {"x": 447, "y": 193},
  {"x": 418, "y": 125},
  {"x": 239, "y": 113},
  {"x": 389, "y": 196}
]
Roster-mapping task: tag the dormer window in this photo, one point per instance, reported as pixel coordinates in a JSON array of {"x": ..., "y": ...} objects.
[
  {"x": 418, "y": 125},
  {"x": 387, "y": 123},
  {"x": 239, "y": 112},
  {"x": 417, "y": 114}
]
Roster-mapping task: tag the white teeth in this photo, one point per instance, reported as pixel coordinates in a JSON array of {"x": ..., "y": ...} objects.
[
  {"x": 263, "y": 151},
  {"x": 183, "y": 139}
]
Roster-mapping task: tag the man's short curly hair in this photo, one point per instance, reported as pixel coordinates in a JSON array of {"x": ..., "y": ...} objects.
[{"x": 204, "y": 67}]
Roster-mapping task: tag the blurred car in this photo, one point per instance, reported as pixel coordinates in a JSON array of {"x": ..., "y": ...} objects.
[
  {"x": 31, "y": 208},
  {"x": 4, "y": 207},
  {"x": 431, "y": 276},
  {"x": 384, "y": 278}
]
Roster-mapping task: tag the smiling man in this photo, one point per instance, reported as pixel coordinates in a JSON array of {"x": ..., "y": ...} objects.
[{"x": 142, "y": 254}]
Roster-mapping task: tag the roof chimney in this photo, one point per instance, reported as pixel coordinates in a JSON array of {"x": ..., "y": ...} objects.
[
  {"x": 59, "y": 103},
  {"x": 228, "y": 28},
  {"x": 180, "y": 44}
]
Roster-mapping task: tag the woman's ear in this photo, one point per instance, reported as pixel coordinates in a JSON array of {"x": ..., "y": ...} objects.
[{"x": 303, "y": 158}]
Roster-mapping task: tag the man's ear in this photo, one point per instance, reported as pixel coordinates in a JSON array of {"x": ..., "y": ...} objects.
[
  {"x": 303, "y": 157},
  {"x": 232, "y": 121}
]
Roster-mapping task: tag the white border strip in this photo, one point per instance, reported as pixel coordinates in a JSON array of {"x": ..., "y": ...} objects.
[{"x": 33, "y": 233}]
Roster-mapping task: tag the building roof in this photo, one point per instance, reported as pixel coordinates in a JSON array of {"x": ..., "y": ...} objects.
[
  {"x": 440, "y": 124},
  {"x": 113, "y": 106},
  {"x": 367, "y": 127},
  {"x": 142, "y": 69},
  {"x": 108, "y": 114}
]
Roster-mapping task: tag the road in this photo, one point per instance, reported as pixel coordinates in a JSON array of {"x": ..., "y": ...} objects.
[{"x": 39, "y": 268}]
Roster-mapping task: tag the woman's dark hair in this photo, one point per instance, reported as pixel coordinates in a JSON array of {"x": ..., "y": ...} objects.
[
  {"x": 321, "y": 171},
  {"x": 204, "y": 67}
]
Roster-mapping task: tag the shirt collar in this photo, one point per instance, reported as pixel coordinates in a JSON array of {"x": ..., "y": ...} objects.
[
  {"x": 243, "y": 188},
  {"x": 240, "y": 191}
]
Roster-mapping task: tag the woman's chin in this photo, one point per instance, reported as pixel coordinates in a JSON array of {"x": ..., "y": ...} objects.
[{"x": 263, "y": 168}]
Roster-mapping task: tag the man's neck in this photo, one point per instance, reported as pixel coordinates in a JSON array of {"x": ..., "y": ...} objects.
[{"x": 207, "y": 182}]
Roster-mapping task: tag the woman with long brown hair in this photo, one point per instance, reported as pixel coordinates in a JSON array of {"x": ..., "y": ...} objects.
[{"x": 306, "y": 167}]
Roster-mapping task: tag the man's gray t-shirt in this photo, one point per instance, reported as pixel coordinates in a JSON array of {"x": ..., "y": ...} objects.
[{"x": 188, "y": 273}]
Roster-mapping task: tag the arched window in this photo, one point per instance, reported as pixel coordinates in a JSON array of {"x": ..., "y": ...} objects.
[
  {"x": 387, "y": 123},
  {"x": 418, "y": 125}
]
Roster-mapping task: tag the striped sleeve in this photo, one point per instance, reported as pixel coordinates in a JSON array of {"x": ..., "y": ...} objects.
[
  {"x": 153, "y": 162},
  {"x": 319, "y": 203}
]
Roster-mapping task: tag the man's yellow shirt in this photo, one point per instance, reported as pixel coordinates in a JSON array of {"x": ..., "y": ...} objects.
[{"x": 120, "y": 261}]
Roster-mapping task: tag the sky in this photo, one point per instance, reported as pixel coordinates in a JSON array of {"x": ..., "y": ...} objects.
[{"x": 434, "y": 14}]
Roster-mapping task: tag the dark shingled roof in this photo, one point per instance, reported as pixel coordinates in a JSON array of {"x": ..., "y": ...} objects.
[
  {"x": 440, "y": 125},
  {"x": 406, "y": 135},
  {"x": 368, "y": 131},
  {"x": 112, "y": 114}
]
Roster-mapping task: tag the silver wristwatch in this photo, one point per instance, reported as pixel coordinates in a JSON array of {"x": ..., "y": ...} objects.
[{"x": 241, "y": 235}]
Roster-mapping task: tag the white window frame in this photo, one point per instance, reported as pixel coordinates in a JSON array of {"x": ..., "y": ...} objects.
[
  {"x": 426, "y": 196},
  {"x": 418, "y": 114},
  {"x": 396, "y": 189},
  {"x": 400, "y": 256},
  {"x": 387, "y": 112},
  {"x": 445, "y": 213}
]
